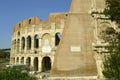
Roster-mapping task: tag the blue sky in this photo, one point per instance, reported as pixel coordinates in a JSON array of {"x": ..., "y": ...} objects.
[{"x": 13, "y": 11}]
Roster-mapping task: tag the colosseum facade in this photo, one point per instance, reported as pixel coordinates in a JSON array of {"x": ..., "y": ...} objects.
[{"x": 34, "y": 41}]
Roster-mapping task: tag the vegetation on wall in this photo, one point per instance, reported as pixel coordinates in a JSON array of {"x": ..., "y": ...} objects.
[
  {"x": 112, "y": 10},
  {"x": 112, "y": 60}
]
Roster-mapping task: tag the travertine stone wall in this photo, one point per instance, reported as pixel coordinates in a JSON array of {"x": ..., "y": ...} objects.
[{"x": 24, "y": 48}]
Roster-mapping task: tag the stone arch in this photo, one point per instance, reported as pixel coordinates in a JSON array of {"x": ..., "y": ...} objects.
[
  {"x": 23, "y": 43},
  {"x": 18, "y": 33},
  {"x": 46, "y": 36},
  {"x": 15, "y": 44},
  {"x": 29, "y": 40},
  {"x": 18, "y": 44},
  {"x": 46, "y": 43},
  {"x": 57, "y": 38},
  {"x": 46, "y": 64},
  {"x": 36, "y": 64},
  {"x": 13, "y": 60},
  {"x": 36, "y": 41},
  {"x": 22, "y": 60},
  {"x": 17, "y": 60},
  {"x": 28, "y": 62}
]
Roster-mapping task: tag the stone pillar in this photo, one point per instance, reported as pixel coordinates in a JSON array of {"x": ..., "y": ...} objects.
[
  {"x": 20, "y": 46},
  {"x": 40, "y": 64},
  {"x": 32, "y": 64},
  {"x": 19, "y": 60},
  {"x": 32, "y": 44},
  {"x": 52, "y": 60},
  {"x": 25, "y": 60},
  {"x": 99, "y": 62},
  {"x": 40, "y": 44},
  {"x": 15, "y": 60},
  {"x": 53, "y": 40},
  {"x": 25, "y": 45}
]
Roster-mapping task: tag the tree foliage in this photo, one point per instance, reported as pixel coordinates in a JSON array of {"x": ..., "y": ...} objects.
[
  {"x": 112, "y": 10},
  {"x": 4, "y": 54},
  {"x": 112, "y": 60},
  {"x": 14, "y": 73}
]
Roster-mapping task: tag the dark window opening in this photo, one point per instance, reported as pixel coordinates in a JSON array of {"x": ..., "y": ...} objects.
[
  {"x": 36, "y": 41},
  {"x": 30, "y": 21},
  {"x": 57, "y": 38},
  {"x": 18, "y": 33},
  {"x": 36, "y": 64},
  {"x": 19, "y": 25},
  {"x": 46, "y": 64},
  {"x": 22, "y": 60},
  {"x": 14, "y": 44},
  {"x": 28, "y": 42},
  {"x": 28, "y": 63},
  {"x": 23, "y": 43},
  {"x": 18, "y": 45},
  {"x": 17, "y": 61}
]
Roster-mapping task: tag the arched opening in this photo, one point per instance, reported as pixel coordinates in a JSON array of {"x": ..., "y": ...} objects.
[
  {"x": 36, "y": 41},
  {"x": 46, "y": 64},
  {"x": 18, "y": 44},
  {"x": 28, "y": 63},
  {"x": 13, "y": 60},
  {"x": 18, "y": 33},
  {"x": 23, "y": 43},
  {"x": 17, "y": 60},
  {"x": 57, "y": 38},
  {"x": 28, "y": 42},
  {"x": 30, "y": 21},
  {"x": 46, "y": 43},
  {"x": 22, "y": 60},
  {"x": 36, "y": 64},
  {"x": 15, "y": 44}
]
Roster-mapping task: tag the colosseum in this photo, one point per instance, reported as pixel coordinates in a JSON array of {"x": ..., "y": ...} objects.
[
  {"x": 34, "y": 41},
  {"x": 67, "y": 44}
]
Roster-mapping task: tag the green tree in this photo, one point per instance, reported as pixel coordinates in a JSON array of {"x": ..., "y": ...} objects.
[
  {"x": 112, "y": 10},
  {"x": 14, "y": 73},
  {"x": 112, "y": 60}
]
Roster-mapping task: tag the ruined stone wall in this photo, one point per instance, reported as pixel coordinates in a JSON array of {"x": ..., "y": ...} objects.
[{"x": 34, "y": 39}]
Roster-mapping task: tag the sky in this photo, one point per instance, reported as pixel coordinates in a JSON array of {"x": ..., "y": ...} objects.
[{"x": 14, "y": 11}]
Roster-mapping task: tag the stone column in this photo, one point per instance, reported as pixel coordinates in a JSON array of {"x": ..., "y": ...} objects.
[
  {"x": 20, "y": 45},
  {"x": 15, "y": 59},
  {"x": 25, "y": 44},
  {"x": 99, "y": 64},
  {"x": 32, "y": 64},
  {"x": 53, "y": 40},
  {"x": 40, "y": 64},
  {"x": 32, "y": 44},
  {"x": 52, "y": 59},
  {"x": 25, "y": 60},
  {"x": 40, "y": 44},
  {"x": 19, "y": 60}
]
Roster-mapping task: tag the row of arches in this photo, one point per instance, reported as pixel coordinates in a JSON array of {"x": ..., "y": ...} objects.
[
  {"x": 27, "y": 42},
  {"x": 45, "y": 63}
]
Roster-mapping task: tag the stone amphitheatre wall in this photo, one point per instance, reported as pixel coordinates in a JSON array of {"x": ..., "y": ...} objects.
[{"x": 34, "y": 41}]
